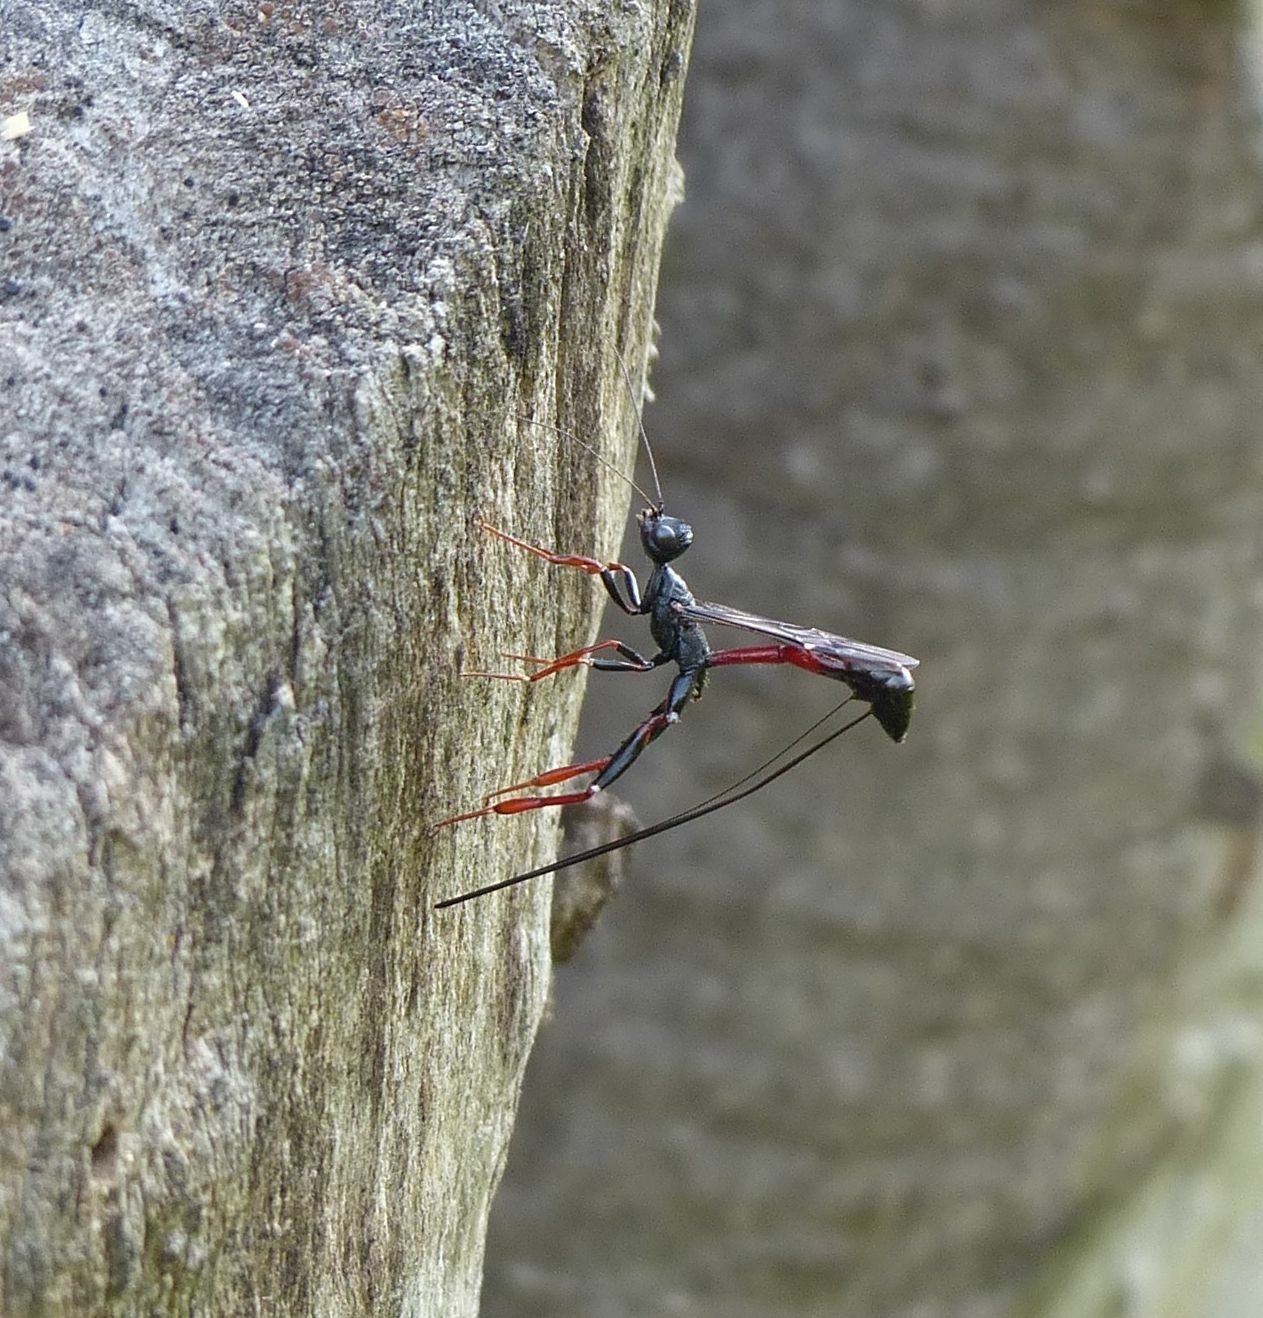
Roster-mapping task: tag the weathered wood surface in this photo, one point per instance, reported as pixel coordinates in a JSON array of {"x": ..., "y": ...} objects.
[{"x": 279, "y": 282}]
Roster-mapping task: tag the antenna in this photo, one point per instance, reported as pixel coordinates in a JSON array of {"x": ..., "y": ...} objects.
[
  {"x": 600, "y": 457},
  {"x": 583, "y": 443},
  {"x": 631, "y": 389}
]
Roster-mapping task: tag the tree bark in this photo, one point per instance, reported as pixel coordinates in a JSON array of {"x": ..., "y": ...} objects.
[
  {"x": 281, "y": 283},
  {"x": 961, "y": 332}
]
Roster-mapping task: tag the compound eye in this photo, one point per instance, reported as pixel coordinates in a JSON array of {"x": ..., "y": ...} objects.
[{"x": 669, "y": 536}]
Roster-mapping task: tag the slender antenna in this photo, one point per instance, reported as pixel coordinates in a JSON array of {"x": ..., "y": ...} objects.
[
  {"x": 709, "y": 806},
  {"x": 644, "y": 438},
  {"x": 583, "y": 443}
]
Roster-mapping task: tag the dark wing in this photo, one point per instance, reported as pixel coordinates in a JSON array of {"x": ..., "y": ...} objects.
[{"x": 809, "y": 638}]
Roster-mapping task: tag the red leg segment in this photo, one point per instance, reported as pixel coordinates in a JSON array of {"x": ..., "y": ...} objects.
[
  {"x": 551, "y": 777},
  {"x": 548, "y": 778},
  {"x": 553, "y": 666},
  {"x": 628, "y": 599},
  {"x": 589, "y": 565}
]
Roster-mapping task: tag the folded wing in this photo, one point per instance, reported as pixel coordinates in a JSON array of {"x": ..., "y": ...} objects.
[{"x": 808, "y": 638}]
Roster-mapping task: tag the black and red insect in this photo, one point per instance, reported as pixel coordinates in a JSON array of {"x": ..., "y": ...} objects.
[{"x": 880, "y": 678}]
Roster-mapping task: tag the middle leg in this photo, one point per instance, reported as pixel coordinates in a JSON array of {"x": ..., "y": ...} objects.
[{"x": 631, "y": 662}]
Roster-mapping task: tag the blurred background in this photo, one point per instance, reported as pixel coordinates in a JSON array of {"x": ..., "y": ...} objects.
[{"x": 962, "y": 354}]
